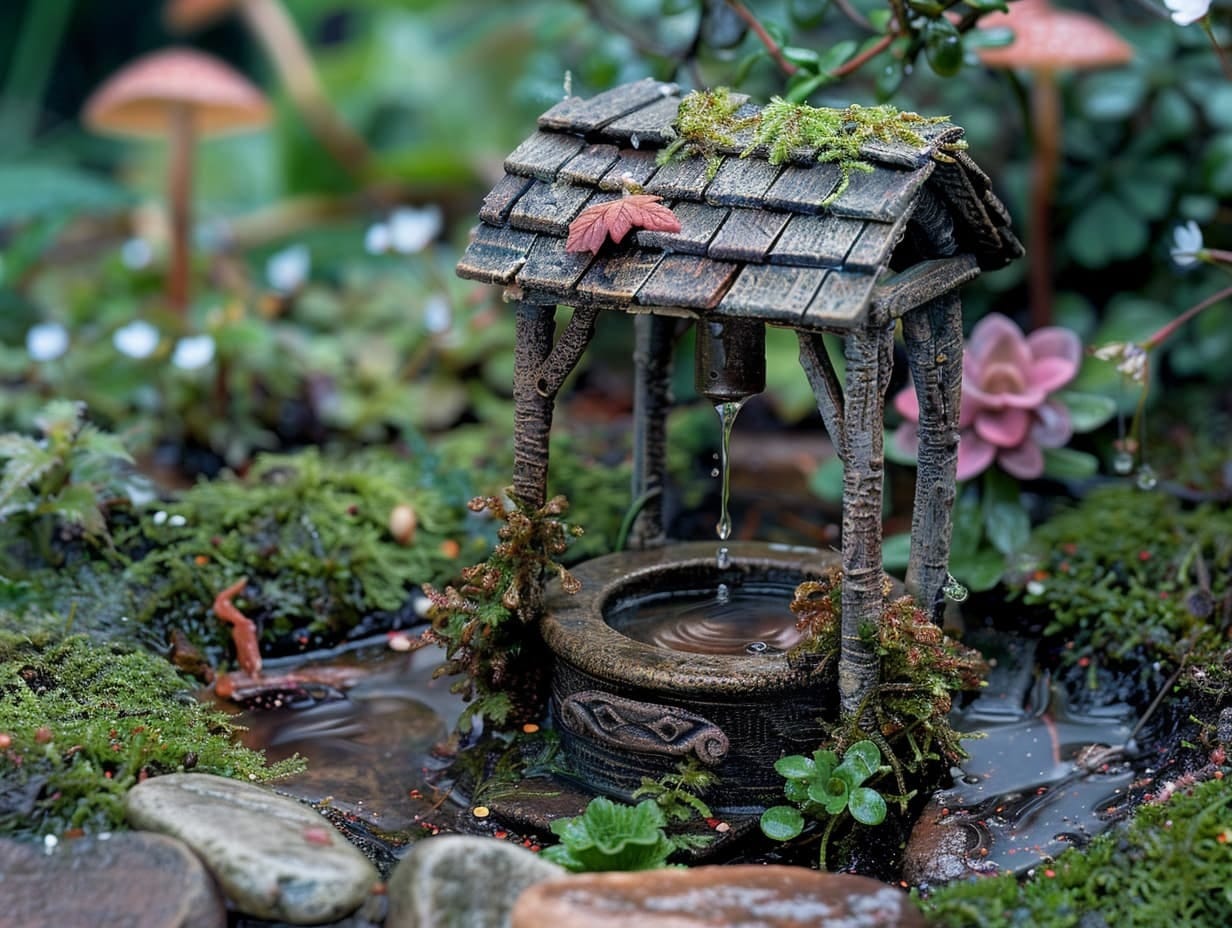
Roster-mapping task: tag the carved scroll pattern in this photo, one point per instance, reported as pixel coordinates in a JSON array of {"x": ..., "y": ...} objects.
[{"x": 643, "y": 727}]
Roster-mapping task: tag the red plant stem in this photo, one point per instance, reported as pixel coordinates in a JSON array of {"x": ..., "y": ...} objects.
[
  {"x": 1220, "y": 51},
  {"x": 179, "y": 202},
  {"x": 1046, "y": 130},
  {"x": 243, "y": 629},
  {"x": 772, "y": 47},
  {"x": 864, "y": 57},
  {"x": 1165, "y": 332}
]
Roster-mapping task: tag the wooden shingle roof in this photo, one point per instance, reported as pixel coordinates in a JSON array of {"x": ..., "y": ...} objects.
[{"x": 754, "y": 242}]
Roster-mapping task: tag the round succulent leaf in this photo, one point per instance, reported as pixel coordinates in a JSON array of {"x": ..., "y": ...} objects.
[
  {"x": 794, "y": 767},
  {"x": 867, "y": 806},
  {"x": 782, "y": 823},
  {"x": 796, "y": 790},
  {"x": 831, "y": 793},
  {"x": 863, "y": 757}
]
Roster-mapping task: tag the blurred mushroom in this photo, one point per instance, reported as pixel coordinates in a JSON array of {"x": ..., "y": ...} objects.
[
  {"x": 1048, "y": 40},
  {"x": 179, "y": 94},
  {"x": 273, "y": 27}
]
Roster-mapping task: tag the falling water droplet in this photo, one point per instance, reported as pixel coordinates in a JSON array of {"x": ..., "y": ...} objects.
[
  {"x": 727, "y": 418},
  {"x": 723, "y": 594},
  {"x": 1146, "y": 479},
  {"x": 954, "y": 590},
  {"x": 1123, "y": 462},
  {"x": 714, "y": 472},
  {"x": 722, "y": 558}
]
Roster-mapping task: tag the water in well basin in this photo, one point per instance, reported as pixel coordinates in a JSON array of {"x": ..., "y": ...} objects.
[{"x": 727, "y": 620}]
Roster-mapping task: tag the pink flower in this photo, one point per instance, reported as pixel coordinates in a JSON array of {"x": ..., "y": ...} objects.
[{"x": 1006, "y": 415}]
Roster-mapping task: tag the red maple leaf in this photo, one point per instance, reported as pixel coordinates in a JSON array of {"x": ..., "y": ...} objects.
[{"x": 637, "y": 211}]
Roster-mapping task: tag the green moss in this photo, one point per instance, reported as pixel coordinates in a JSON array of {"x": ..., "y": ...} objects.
[
  {"x": 1130, "y": 572},
  {"x": 82, "y": 722},
  {"x": 1171, "y": 866},
  {"x": 707, "y": 121}
]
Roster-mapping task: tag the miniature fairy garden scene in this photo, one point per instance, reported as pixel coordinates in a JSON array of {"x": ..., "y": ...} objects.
[{"x": 663, "y": 462}]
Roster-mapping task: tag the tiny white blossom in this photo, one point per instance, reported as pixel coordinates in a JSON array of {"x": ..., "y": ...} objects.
[
  {"x": 287, "y": 270},
  {"x": 376, "y": 239},
  {"x": 438, "y": 315},
  {"x": 193, "y": 351},
  {"x": 1130, "y": 359},
  {"x": 1185, "y": 12},
  {"x": 412, "y": 230},
  {"x": 1186, "y": 243},
  {"x": 46, "y": 341},
  {"x": 138, "y": 339},
  {"x": 136, "y": 254}
]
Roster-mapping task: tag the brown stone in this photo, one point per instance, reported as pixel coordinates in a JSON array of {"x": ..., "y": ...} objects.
[
  {"x": 131, "y": 878},
  {"x": 716, "y": 897}
]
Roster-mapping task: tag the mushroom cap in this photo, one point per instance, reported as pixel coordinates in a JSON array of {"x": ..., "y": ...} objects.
[
  {"x": 136, "y": 99},
  {"x": 1046, "y": 38},
  {"x": 191, "y": 15}
]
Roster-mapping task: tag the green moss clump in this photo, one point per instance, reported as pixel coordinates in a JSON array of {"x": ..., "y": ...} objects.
[
  {"x": 707, "y": 121},
  {"x": 921, "y": 670},
  {"x": 81, "y": 723},
  {"x": 1130, "y": 572},
  {"x": 1172, "y": 865}
]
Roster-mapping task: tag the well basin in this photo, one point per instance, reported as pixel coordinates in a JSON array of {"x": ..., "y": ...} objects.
[{"x": 628, "y": 709}]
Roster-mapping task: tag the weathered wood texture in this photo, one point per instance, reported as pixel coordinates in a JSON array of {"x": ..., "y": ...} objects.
[
  {"x": 744, "y": 212},
  {"x": 652, "y": 362}
]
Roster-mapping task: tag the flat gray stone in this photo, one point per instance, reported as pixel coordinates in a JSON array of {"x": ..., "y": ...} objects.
[
  {"x": 274, "y": 857},
  {"x": 132, "y": 878},
  {"x": 461, "y": 881}
]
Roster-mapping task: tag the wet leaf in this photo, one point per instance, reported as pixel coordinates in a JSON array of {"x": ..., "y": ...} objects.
[
  {"x": 639, "y": 211},
  {"x": 782, "y": 823}
]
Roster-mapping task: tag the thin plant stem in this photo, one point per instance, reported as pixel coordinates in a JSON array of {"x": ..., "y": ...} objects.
[
  {"x": 1166, "y": 331},
  {"x": 1220, "y": 51},
  {"x": 853, "y": 64},
  {"x": 772, "y": 47}
]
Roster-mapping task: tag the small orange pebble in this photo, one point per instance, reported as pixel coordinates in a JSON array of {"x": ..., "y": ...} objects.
[
  {"x": 722, "y": 827},
  {"x": 500, "y": 835},
  {"x": 6, "y": 741},
  {"x": 530, "y": 728},
  {"x": 1050, "y": 873},
  {"x": 378, "y": 889},
  {"x": 398, "y": 641},
  {"x": 481, "y": 811},
  {"x": 201, "y": 560},
  {"x": 42, "y": 734},
  {"x": 450, "y": 548}
]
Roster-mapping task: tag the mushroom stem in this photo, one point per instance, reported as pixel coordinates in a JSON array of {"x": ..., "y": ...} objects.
[
  {"x": 276, "y": 31},
  {"x": 1046, "y": 132},
  {"x": 179, "y": 202}
]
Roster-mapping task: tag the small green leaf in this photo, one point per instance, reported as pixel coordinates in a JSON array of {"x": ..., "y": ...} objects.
[
  {"x": 794, "y": 767},
  {"x": 806, "y": 58},
  {"x": 824, "y": 761},
  {"x": 867, "y": 806},
  {"x": 943, "y": 47},
  {"x": 796, "y": 790},
  {"x": 978, "y": 570},
  {"x": 1006, "y": 523},
  {"x": 1069, "y": 464},
  {"x": 782, "y": 823},
  {"x": 831, "y": 793},
  {"x": 1087, "y": 411},
  {"x": 864, "y": 757},
  {"x": 807, "y": 13}
]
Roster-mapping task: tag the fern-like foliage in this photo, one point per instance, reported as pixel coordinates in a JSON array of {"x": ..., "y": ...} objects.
[
  {"x": 69, "y": 476},
  {"x": 679, "y": 794}
]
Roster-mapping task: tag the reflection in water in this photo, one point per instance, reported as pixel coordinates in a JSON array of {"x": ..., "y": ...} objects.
[{"x": 736, "y": 620}]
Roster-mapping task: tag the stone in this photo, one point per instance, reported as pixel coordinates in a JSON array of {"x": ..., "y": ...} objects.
[
  {"x": 273, "y": 857},
  {"x": 716, "y": 897},
  {"x": 129, "y": 878},
  {"x": 460, "y": 881}
]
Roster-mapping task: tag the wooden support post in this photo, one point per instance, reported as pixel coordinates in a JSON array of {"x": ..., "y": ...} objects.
[
  {"x": 863, "y": 597},
  {"x": 933, "y": 336},
  {"x": 534, "y": 328},
  {"x": 652, "y": 361}
]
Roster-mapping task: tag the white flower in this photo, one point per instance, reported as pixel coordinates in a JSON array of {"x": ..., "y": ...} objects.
[
  {"x": 1185, "y": 12},
  {"x": 287, "y": 270},
  {"x": 46, "y": 341},
  {"x": 136, "y": 254},
  {"x": 411, "y": 230},
  {"x": 376, "y": 239},
  {"x": 1186, "y": 244},
  {"x": 138, "y": 339},
  {"x": 438, "y": 315},
  {"x": 193, "y": 351},
  {"x": 1130, "y": 359}
]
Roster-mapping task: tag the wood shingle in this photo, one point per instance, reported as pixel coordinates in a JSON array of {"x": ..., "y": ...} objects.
[{"x": 756, "y": 241}]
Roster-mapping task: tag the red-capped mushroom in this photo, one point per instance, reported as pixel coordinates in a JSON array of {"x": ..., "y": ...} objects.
[
  {"x": 1048, "y": 40},
  {"x": 178, "y": 94}
]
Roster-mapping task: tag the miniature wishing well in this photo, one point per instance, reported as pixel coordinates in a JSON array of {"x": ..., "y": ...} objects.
[{"x": 803, "y": 244}]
